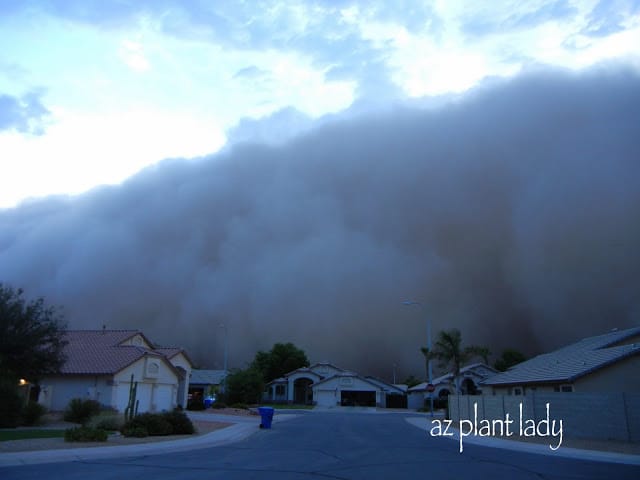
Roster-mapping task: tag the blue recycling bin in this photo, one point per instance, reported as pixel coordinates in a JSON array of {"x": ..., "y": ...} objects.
[{"x": 266, "y": 416}]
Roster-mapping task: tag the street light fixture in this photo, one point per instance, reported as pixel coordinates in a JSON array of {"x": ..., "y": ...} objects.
[{"x": 410, "y": 303}]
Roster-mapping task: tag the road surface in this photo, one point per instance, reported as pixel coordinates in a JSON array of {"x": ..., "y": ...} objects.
[{"x": 334, "y": 446}]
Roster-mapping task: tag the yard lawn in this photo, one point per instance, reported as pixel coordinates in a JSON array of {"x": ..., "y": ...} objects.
[{"x": 21, "y": 434}]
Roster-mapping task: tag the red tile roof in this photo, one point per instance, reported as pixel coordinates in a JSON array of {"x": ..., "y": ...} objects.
[
  {"x": 99, "y": 352},
  {"x": 171, "y": 352}
]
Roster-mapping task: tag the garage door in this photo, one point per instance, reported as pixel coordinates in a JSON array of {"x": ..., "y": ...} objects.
[{"x": 358, "y": 398}]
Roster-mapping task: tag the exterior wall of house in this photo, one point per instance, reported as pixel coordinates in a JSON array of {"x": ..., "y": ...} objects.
[
  {"x": 325, "y": 370},
  {"x": 621, "y": 376},
  {"x": 602, "y": 416},
  {"x": 57, "y": 391},
  {"x": 290, "y": 390},
  {"x": 524, "y": 389},
  {"x": 157, "y": 388},
  {"x": 137, "y": 341},
  {"x": 181, "y": 361},
  {"x": 276, "y": 393},
  {"x": 415, "y": 400}
]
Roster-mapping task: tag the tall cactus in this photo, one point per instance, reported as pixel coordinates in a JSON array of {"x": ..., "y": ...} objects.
[{"x": 132, "y": 407}]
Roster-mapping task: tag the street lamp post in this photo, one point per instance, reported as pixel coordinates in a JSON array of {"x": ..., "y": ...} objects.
[
  {"x": 429, "y": 371},
  {"x": 226, "y": 354}
]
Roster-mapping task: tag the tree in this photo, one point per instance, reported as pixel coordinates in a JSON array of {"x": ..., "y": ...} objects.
[
  {"x": 282, "y": 358},
  {"x": 449, "y": 352},
  {"x": 31, "y": 337},
  {"x": 481, "y": 352},
  {"x": 411, "y": 381},
  {"x": 244, "y": 386},
  {"x": 508, "y": 359}
]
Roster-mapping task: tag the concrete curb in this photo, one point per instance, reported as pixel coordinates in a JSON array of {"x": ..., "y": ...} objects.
[{"x": 539, "y": 449}]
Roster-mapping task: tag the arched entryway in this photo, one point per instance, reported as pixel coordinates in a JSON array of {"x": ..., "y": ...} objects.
[
  {"x": 302, "y": 392},
  {"x": 469, "y": 387}
]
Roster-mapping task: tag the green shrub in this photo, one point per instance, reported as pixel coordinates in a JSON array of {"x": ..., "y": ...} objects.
[
  {"x": 154, "y": 423},
  {"x": 10, "y": 405},
  {"x": 219, "y": 405},
  {"x": 80, "y": 411},
  {"x": 32, "y": 413},
  {"x": 138, "y": 432},
  {"x": 106, "y": 421},
  {"x": 85, "y": 434},
  {"x": 180, "y": 422},
  {"x": 241, "y": 406}
]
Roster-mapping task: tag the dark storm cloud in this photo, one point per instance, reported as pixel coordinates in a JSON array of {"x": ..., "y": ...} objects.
[
  {"x": 510, "y": 213},
  {"x": 275, "y": 129},
  {"x": 26, "y": 114}
]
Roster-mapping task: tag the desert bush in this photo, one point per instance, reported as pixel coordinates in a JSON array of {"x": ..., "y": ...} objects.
[
  {"x": 107, "y": 421},
  {"x": 32, "y": 413},
  {"x": 80, "y": 410},
  {"x": 85, "y": 434},
  {"x": 154, "y": 423},
  {"x": 180, "y": 422},
  {"x": 138, "y": 432}
]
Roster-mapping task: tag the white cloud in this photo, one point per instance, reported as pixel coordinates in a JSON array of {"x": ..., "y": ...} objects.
[
  {"x": 83, "y": 150},
  {"x": 132, "y": 54},
  {"x": 183, "y": 59}
]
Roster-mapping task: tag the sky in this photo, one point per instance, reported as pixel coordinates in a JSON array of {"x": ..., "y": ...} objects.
[
  {"x": 295, "y": 170},
  {"x": 134, "y": 82}
]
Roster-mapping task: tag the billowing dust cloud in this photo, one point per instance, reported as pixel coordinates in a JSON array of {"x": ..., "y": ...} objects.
[{"x": 512, "y": 213}]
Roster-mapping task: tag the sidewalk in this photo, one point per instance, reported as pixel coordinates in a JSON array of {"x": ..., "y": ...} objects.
[
  {"x": 587, "y": 449},
  {"x": 242, "y": 428}
]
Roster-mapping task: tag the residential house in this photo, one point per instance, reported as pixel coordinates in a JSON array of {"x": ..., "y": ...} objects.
[
  {"x": 469, "y": 380},
  {"x": 603, "y": 363},
  {"x": 101, "y": 364},
  {"x": 326, "y": 385},
  {"x": 205, "y": 382}
]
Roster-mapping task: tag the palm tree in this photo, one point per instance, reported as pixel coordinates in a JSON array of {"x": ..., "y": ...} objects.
[{"x": 449, "y": 352}]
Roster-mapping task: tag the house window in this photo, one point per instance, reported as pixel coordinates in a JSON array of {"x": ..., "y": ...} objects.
[
  {"x": 346, "y": 381},
  {"x": 279, "y": 390},
  {"x": 563, "y": 388},
  {"x": 517, "y": 391}
]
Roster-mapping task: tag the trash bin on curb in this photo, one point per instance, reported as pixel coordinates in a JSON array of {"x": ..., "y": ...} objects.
[{"x": 266, "y": 416}]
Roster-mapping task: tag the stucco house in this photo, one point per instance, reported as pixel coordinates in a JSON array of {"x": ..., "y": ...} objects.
[
  {"x": 323, "y": 384},
  {"x": 600, "y": 364},
  {"x": 202, "y": 382},
  {"x": 99, "y": 365},
  {"x": 469, "y": 382}
]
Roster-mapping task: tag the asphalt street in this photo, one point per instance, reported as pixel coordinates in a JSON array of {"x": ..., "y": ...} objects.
[{"x": 338, "y": 446}]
